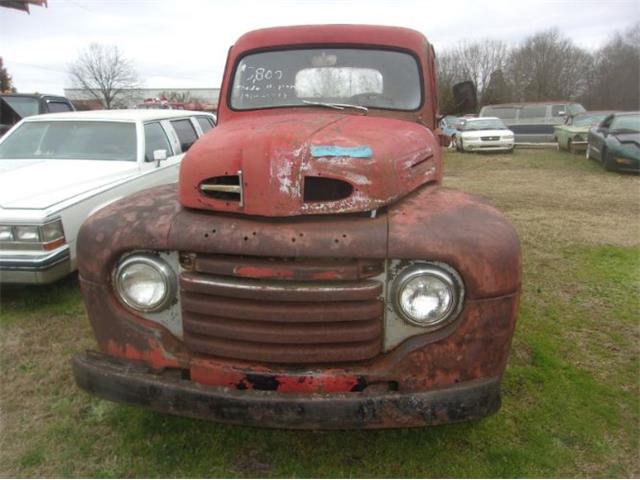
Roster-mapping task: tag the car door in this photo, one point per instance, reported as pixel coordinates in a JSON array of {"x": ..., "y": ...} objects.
[{"x": 158, "y": 136}]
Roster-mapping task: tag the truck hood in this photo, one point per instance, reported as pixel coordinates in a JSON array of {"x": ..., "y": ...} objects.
[
  {"x": 308, "y": 163},
  {"x": 41, "y": 184}
]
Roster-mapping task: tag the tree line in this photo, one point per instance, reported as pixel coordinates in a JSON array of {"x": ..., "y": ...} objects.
[{"x": 546, "y": 66}]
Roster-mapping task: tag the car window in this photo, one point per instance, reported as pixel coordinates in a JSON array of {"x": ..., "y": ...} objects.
[
  {"x": 24, "y": 106},
  {"x": 55, "y": 107},
  {"x": 186, "y": 133},
  {"x": 155, "y": 138},
  {"x": 205, "y": 123},
  {"x": 484, "y": 124},
  {"x": 533, "y": 111},
  {"x": 72, "y": 140},
  {"x": 504, "y": 113},
  {"x": 627, "y": 123},
  {"x": 298, "y": 77},
  {"x": 558, "y": 110}
]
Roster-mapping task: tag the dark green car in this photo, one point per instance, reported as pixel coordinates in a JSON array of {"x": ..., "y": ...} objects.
[
  {"x": 615, "y": 143},
  {"x": 572, "y": 134}
]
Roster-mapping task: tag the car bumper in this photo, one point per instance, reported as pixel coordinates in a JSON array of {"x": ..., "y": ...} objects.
[
  {"x": 495, "y": 146},
  {"x": 18, "y": 267},
  {"x": 122, "y": 381},
  {"x": 625, "y": 164}
]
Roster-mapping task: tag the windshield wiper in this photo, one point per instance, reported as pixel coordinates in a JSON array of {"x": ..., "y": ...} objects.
[{"x": 336, "y": 106}]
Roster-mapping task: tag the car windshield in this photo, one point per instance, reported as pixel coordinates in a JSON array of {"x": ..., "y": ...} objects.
[
  {"x": 626, "y": 123},
  {"x": 588, "y": 120},
  {"x": 489, "y": 124},
  {"x": 338, "y": 76},
  {"x": 71, "y": 140},
  {"x": 24, "y": 106}
]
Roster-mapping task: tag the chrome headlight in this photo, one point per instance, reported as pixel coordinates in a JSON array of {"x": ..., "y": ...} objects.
[
  {"x": 145, "y": 282},
  {"x": 428, "y": 295}
]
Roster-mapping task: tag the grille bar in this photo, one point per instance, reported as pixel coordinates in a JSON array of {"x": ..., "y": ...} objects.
[
  {"x": 283, "y": 353},
  {"x": 287, "y": 312},
  {"x": 285, "y": 333},
  {"x": 289, "y": 291}
]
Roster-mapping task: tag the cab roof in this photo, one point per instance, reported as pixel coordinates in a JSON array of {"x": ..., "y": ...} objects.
[{"x": 398, "y": 37}]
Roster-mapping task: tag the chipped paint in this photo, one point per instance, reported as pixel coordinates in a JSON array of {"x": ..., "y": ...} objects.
[{"x": 363, "y": 151}]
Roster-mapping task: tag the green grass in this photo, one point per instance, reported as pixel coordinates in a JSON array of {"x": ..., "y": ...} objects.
[{"x": 571, "y": 390}]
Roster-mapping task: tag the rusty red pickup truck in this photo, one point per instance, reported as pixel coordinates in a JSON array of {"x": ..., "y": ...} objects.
[{"x": 308, "y": 270}]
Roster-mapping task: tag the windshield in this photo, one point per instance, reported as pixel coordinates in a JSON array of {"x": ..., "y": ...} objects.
[
  {"x": 629, "y": 123},
  {"x": 24, "y": 106},
  {"x": 588, "y": 120},
  {"x": 491, "y": 124},
  {"x": 365, "y": 77},
  {"x": 73, "y": 140}
]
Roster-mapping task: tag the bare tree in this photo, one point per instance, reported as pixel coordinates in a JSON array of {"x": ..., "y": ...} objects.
[
  {"x": 614, "y": 82},
  {"x": 548, "y": 66},
  {"x": 476, "y": 61},
  {"x": 104, "y": 73}
]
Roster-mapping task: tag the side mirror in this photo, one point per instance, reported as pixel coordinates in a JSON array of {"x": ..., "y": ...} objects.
[
  {"x": 464, "y": 94},
  {"x": 159, "y": 156}
]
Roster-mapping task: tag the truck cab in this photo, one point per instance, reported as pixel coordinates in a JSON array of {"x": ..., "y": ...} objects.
[{"x": 308, "y": 270}]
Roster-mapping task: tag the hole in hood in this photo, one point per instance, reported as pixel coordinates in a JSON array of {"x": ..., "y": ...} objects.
[{"x": 320, "y": 189}]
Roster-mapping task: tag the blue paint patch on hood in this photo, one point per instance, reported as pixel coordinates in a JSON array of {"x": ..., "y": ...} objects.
[{"x": 363, "y": 151}]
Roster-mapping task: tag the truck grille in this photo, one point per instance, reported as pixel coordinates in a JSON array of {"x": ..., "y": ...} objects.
[
  {"x": 489, "y": 139},
  {"x": 282, "y": 310}
]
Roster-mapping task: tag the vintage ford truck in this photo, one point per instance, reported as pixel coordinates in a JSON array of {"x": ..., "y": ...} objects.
[{"x": 308, "y": 270}]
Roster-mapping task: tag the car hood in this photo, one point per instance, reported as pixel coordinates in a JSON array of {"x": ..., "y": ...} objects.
[
  {"x": 41, "y": 184},
  {"x": 631, "y": 137},
  {"x": 281, "y": 155}
]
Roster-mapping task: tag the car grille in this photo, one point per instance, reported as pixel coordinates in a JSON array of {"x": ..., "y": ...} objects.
[
  {"x": 489, "y": 139},
  {"x": 282, "y": 310}
]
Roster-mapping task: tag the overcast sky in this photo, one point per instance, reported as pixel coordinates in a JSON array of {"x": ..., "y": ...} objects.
[{"x": 183, "y": 44}]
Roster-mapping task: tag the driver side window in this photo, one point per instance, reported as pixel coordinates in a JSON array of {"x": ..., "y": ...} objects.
[{"x": 155, "y": 139}]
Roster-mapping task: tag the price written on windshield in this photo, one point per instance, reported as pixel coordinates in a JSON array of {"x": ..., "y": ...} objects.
[{"x": 261, "y": 74}]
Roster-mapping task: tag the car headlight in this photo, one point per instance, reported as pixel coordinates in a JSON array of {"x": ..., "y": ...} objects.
[
  {"x": 6, "y": 233},
  {"x": 145, "y": 282},
  {"x": 428, "y": 295},
  {"x": 27, "y": 233}
]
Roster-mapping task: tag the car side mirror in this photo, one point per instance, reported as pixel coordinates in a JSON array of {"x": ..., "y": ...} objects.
[
  {"x": 464, "y": 94},
  {"x": 159, "y": 156}
]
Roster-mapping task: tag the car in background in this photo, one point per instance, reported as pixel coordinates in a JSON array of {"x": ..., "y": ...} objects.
[
  {"x": 16, "y": 106},
  {"x": 572, "y": 135},
  {"x": 57, "y": 169},
  {"x": 449, "y": 125},
  {"x": 488, "y": 134},
  {"x": 615, "y": 142},
  {"x": 532, "y": 123}
]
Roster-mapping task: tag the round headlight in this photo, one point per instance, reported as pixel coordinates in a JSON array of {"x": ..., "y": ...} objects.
[
  {"x": 145, "y": 283},
  {"x": 428, "y": 295}
]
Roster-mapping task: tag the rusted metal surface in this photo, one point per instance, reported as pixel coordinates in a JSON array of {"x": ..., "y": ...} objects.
[
  {"x": 289, "y": 269},
  {"x": 277, "y": 160},
  {"x": 462, "y": 230},
  {"x": 113, "y": 380}
]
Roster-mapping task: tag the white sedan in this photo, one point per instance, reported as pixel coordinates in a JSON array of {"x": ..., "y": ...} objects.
[
  {"x": 486, "y": 134},
  {"x": 57, "y": 169}
]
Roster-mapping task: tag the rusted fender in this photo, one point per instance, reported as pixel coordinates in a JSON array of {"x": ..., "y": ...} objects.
[
  {"x": 462, "y": 230},
  {"x": 142, "y": 220}
]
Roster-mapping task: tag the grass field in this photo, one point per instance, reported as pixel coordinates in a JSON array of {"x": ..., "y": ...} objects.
[{"x": 571, "y": 390}]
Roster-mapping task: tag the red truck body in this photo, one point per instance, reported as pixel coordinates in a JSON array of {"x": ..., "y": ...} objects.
[{"x": 299, "y": 240}]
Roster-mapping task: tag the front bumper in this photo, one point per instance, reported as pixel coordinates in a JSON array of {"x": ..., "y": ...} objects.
[
  {"x": 489, "y": 146},
  {"x": 119, "y": 380},
  {"x": 41, "y": 268}
]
